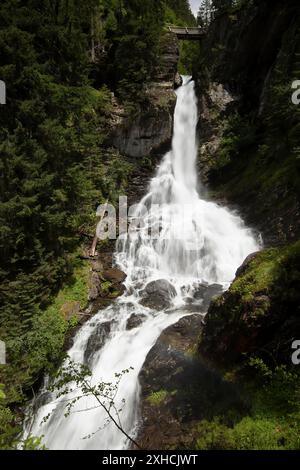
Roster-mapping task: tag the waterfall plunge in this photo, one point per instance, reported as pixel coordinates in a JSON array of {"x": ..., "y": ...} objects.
[{"x": 196, "y": 242}]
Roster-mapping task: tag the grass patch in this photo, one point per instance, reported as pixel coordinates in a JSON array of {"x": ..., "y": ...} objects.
[{"x": 76, "y": 290}]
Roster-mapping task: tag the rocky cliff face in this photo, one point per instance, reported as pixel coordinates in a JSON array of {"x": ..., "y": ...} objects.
[
  {"x": 249, "y": 143},
  {"x": 242, "y": 47},
  {"x": 149, "y": 128},
  {"x": 248, "y": 125}
]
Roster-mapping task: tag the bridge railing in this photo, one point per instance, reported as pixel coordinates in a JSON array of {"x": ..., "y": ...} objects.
[{"x": 193, "y": 31}]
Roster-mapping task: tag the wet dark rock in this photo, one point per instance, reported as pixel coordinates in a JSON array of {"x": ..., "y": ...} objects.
[
  {"x": 206, "y": 293},
  {"x": 178, "y": 80},
  {"x": 41, "y": 400},
  {"x": 97, "y": 340},
  {"x": 158, "y": 294},
  {"x": 178, "y": 389},
  {"x": 134, "y": 321},
  {"x": 99, "y": 304},
  {"x": 150, "y": 129},
  {"x": 105, "y": 284}
]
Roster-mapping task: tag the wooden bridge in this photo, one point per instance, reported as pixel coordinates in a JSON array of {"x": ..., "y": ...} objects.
[{"x": 190, "y": 34}]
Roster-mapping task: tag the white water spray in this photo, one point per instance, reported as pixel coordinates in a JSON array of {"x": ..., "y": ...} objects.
[{"x": 197, "y": 242}]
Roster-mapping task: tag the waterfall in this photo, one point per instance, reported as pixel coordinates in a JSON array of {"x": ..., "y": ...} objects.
[{"x": 182, "y": 240}]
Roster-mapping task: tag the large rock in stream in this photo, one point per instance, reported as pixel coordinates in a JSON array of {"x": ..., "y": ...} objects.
[
  {"x": 96, "y": 340},
  {"x": 158, "y": 295},
  {"x": 178, "y": 390}
]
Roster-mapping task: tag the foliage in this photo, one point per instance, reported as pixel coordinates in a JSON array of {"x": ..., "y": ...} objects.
[
  {"x": 178, "y": 12},
  {"x": 156, "y": 398},
  {"x": 74, "y": 381},
  {"x": 9, "y": 432},
  {"x": 189, "y": 54},
  {"x": 205, "y": 13},
  {"x": 53, "y": 174},
  {"x": 273, "y": 422},
  {"x": 135, "y": 43},
  {"x": 260, "y": 312},
  {"x": 210, "y": 9},
  {"x": 238, "y": 136}
]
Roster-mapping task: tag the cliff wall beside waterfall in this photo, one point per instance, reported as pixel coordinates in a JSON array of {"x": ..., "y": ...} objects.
[
  {"x": 249, "y": 127},
  {"x": 146, "y": 129},
  {"x": 249, "y": 156}
]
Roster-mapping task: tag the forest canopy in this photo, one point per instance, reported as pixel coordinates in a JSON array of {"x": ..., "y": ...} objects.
[{"x": 60, "y": 60}]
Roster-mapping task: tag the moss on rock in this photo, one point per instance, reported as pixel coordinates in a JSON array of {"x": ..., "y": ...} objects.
[
  {"x": 156, "y": 398},
  {"x": 260, "y": 310}
]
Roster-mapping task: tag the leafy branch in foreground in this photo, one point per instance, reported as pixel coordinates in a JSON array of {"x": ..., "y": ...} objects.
[{"x": 74, "y": 381}]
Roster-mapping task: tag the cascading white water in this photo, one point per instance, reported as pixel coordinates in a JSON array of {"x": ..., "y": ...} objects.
[{"x": 180, "y": 238}]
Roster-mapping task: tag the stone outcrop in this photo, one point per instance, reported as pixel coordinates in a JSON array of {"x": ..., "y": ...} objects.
[
  {"x": 245, "y": 154},
  {"x": 96, "y": 341},
  {"x": 158, "y": 294},
  {"x": 214, "y": 104},
  {"x": 114, "y": 275},
  {"x": 105, "y": 282},
  {"x": 259, "y": 314},
  {"x": 134, "y": 321},
  {"x": 149, "y": 129},
  {"x": 178, "y": 390},
  {"x": 205, "y": 293},
  {"x": 242, "y": 48}
]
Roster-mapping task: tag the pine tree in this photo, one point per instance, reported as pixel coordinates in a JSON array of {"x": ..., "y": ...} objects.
[{"x": 205, "y": 13}]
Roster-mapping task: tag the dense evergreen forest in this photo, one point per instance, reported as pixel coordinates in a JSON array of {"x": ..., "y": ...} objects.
[
  {"x": 65, "y": 64},
  {"x": 60, "y": 60}
]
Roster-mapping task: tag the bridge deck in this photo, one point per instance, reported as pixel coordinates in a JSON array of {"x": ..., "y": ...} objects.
[{"x": 187, "y": 33}]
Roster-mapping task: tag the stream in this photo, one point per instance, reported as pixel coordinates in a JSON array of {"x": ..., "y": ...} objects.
[{"x": 182, "y": 243}]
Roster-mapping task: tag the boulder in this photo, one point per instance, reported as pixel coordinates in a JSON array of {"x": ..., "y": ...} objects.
[
  {"x": 135, "y": 321},
  {"x": 245, "y": 265},
  {"x": 158, "y": 295},
  {"x": 206, "y": 293},
  {"x": 114, "y": 275},
  {"x": 178, "y": 80},
  {"x": 96, "y": 340},
  {"x": 259, "y": 314}
]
